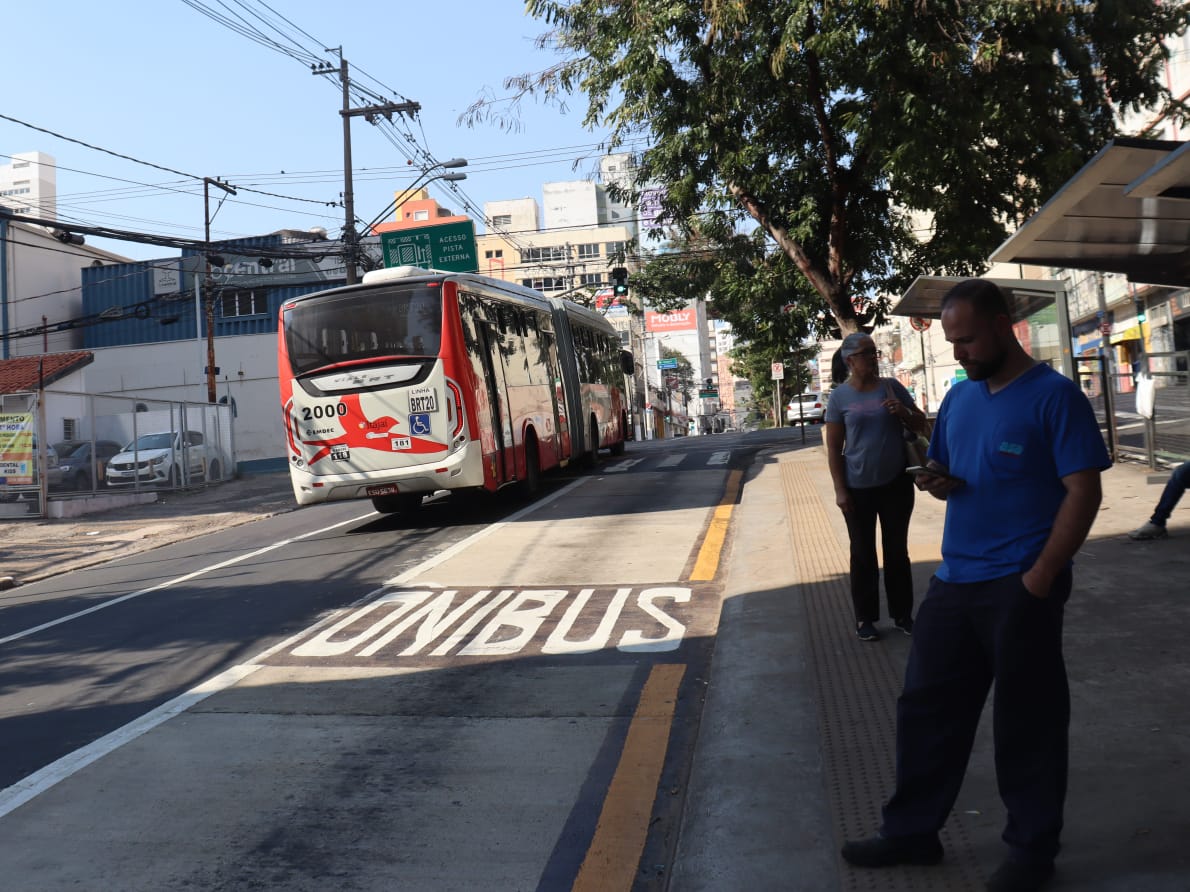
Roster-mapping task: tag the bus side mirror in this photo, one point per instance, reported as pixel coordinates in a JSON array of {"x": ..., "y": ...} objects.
[{"x": 626, "y": 363}]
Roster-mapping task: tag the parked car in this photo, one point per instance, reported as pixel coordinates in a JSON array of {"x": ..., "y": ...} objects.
[
  {"x": 807, "y": 406},
  {"x": 159, "y": 459},
  {"x": 76, "y": 471}
]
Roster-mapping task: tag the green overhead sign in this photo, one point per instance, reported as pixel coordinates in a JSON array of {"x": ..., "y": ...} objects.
[{"x": 447, "y": 246}]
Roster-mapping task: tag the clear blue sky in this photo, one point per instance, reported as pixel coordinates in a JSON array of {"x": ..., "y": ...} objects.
[{"x": 161, "y": 82}]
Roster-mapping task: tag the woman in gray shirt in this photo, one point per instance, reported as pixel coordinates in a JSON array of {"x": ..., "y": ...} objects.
[{"x": 866, "y": 417}]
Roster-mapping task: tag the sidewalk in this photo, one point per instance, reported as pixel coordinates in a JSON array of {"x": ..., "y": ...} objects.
[{"x": 796, "y": 748}]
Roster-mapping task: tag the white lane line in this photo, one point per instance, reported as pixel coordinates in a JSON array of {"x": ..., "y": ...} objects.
[
  {"x": 464, "y": 544},
  {"x": 623, "y": 465},
  {"x": 16, "y": 636},
  {"x": 719, "y": 458},
  {"x": 41, "y": 780},
  {"x": 671, "y": 461}
]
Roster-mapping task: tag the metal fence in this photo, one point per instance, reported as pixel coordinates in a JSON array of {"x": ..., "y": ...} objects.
[
  {"x": 1163, "y": 439},
  {"x": 57, "y": 445}
]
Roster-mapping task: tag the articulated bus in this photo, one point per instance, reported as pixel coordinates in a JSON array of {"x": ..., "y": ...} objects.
[{"x": 419, "y": 380}]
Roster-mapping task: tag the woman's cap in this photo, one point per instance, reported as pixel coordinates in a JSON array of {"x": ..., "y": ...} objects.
[{"x": 853, "y": 343}]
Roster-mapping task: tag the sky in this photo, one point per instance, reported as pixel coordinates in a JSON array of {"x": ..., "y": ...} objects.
[{"x": 160, "y": 82}]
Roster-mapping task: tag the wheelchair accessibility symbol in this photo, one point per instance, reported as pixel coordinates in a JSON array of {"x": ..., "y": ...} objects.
[{"x": 419, "y": 423}]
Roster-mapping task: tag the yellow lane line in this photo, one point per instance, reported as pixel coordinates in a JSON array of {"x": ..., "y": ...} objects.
[
  {"x": 612, "y": 861},
  {"x": 707, "y": 563}
]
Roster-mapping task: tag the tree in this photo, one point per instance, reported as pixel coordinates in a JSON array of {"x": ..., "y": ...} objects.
[{"x": 869, "y": 140}]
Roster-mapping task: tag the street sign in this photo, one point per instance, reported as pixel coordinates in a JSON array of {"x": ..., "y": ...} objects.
[
  {"x": 778, "y": 371},
  {"x": 708, "y": 394},
  {"x": 919, "y": 323},
  {"x": 447, "y": 246},
  {"x": 671, "y": 363}
]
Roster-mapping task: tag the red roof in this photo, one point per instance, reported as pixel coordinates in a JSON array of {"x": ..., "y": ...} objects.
[{"x": 24, "y": 373}]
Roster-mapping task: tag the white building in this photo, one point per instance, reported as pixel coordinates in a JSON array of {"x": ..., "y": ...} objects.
[{"x": 28, "y": 185}]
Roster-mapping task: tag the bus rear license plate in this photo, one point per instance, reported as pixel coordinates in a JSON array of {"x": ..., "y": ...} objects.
[{"x": 384, "y": 489}]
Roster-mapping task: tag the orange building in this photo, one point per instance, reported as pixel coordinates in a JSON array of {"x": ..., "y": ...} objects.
[{"x": 415, "y": 208}]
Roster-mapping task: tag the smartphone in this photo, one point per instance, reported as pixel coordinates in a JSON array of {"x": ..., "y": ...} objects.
[{"x": 918, "y": 470}]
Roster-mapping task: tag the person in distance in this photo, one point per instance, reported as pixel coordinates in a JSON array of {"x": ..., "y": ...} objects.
[
  {"x": 1154, "y": 528},
  {"x": 864, "y": 420},
  {"x": 1025, "y": 441}
]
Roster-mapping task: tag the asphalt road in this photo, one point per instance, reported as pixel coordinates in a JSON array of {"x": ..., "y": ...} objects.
[{"x": 497, "y": 658}]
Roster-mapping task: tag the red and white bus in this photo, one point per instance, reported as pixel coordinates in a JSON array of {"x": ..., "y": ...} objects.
[{"x": 419, "y": 380}]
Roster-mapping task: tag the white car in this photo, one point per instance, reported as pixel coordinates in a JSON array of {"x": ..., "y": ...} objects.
[
  {"x": 807, "y": 406},
  {"x": 168, "y": 458}
]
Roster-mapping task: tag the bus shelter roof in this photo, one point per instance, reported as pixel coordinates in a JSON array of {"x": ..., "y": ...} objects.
[
  {"x": 1025, "y": 296},
  {"x": 1126, "y": 211}
]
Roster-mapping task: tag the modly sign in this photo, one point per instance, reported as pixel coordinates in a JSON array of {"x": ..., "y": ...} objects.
[{"x": 678, "y": 320}]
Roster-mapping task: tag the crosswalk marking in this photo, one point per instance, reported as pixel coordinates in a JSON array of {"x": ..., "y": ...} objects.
[{"x": 666, "y": 463}]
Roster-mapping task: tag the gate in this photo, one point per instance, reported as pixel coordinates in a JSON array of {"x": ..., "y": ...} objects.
[{"x": 1163, "y": 438}]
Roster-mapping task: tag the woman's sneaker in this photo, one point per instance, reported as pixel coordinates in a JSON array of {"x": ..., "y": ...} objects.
[
  {"x": 905, "y": 625},
  {"x": 1149, "y": 530},
  {"x": 866, "y": 632}
]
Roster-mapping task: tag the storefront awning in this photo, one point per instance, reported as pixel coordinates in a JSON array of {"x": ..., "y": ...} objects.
[
  {"x": 1132, "y": 333},
  {"x": 1124, "y": 212}
]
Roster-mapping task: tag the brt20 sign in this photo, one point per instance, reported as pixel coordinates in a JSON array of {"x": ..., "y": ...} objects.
[{"x": 448, "y": 246}]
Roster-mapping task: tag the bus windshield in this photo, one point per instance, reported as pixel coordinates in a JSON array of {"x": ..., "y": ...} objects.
[{"x": 364, "y": 324}]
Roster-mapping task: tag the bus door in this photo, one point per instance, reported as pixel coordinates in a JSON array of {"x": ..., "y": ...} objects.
[
  {"x": 497, "y": 388},
  {"x": 557, "y": 395}
]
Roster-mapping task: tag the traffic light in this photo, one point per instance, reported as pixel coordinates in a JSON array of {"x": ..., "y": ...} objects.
[
  {"x": 619, "y": 281},
  {"x": 1140, "y": 309}
]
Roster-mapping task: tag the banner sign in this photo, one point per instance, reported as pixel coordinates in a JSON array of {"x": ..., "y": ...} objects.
[
  {"x": 678, "y": 320},
  {"x": 16, "y": 449}
]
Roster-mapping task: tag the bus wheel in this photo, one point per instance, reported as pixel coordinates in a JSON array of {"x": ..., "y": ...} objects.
[
  {"x": 532, "y": 482},
  {"x": 404, "y": 501},
  {"x": 593, "y": 445},
  {"x": 618, "y": 446}
]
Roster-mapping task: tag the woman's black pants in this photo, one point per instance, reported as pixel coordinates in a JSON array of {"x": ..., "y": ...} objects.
[{"x": 892, "y": 505}]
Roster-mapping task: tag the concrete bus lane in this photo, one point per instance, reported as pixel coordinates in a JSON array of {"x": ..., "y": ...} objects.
[{"x": 517, "y": 711}]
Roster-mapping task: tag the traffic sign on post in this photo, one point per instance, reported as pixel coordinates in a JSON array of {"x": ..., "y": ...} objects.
[
  {"x": 447, "y": 246},
  {"x": 778, "y": 371},
  {"x": 670, "y": 363}
]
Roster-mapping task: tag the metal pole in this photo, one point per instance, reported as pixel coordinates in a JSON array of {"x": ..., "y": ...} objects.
[
  {"x": 348, "y": 189},
  {"x": 925, "y": 374},
  {"x": 208, "y": 284},
  {"x": 1105, "y": 368}
]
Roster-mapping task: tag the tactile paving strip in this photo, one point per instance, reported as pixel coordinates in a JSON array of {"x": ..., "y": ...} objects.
[{"x": 856, "y": 689}]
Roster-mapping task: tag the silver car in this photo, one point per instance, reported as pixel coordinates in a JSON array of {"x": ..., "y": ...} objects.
[{"x": 808, "y": 407}]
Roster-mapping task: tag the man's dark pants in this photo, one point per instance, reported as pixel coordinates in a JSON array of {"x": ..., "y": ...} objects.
[{"x": 966, "y": 636}]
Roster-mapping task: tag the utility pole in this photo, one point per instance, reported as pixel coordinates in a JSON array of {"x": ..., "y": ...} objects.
[
  {"x": 208, "y": 283},
  {"x": 350, "y": 237}
]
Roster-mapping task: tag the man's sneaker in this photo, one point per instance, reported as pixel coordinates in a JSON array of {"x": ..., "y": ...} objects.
[
  {"x": 1020, "y": 876},
  {"x": 881, "y": 852},
  {"x": 866, "y": 632},
  {"x": 1149, "y": 530},
  {"x": 905, "y": 625}
]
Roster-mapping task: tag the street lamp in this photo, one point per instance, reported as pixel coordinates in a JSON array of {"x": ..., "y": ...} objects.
[
  {"x": 208, "y": 284},
  {"x": 426, "y": 177}
]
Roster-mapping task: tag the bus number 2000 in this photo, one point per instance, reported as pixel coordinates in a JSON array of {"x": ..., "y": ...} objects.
[{"x": 329, "y": 411}]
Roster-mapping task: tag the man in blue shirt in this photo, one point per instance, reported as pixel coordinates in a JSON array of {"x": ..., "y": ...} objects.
[{"x": 1025, "y": 454}]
